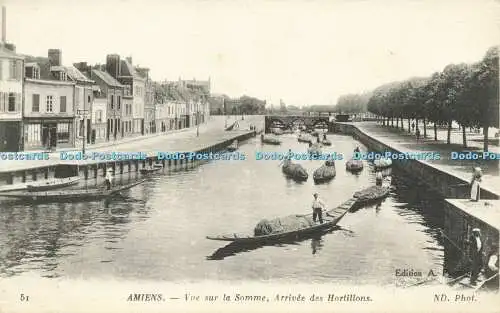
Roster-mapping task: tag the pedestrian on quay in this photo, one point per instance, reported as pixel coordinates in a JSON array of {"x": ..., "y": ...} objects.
[
  {"x": 379, "y": 178},
  {"x": 318, "y": 206},
  {"x": 109, "y": 178},
  {"x": 413, "y": 126},
  {"x": 417, "y": 133},
  {"x": 476, "y": 254},
  {"x": 476, "y": 184}
]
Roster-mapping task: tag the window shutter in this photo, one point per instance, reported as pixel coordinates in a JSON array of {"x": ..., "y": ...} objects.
[
  {"x": 18, "y": 102},
  {"x": 19, "y": 70}
]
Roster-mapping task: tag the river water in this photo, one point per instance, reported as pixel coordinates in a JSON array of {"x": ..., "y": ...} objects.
[{"x": 158, "y": 231}]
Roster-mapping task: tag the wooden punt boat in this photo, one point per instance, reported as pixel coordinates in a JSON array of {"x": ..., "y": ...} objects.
[
  {"x": 233, "y": 146},
  {"x": 69, "y": 195},
  {"x": 277, "y": 131},
  {"x": 304, "y": 138},
  {"x": 294, "y": 171},
  {"x": 371, "y": 194},
  {"x": 354, "y": 165},
  {"x": 49, "y": 184},
  {"x": 151, "y": 170},
  {"x": 382, "y": 163},
  {"x": 326, "y": 142},
  {"x": 325, "y": 173},
  {"x": 314, "y": 149},
  {"x": 331, "y": 219},
  {"x": 269, "y": 140}
]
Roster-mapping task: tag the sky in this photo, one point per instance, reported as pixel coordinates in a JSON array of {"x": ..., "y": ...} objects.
[{"x": 304, "y": 52}]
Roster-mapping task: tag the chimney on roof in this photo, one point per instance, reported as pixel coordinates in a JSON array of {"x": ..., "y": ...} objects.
[
  {"x": 55, "y": 57},
  {"x": 4, "y": 24},
  {"x": 113, "y": 65}
]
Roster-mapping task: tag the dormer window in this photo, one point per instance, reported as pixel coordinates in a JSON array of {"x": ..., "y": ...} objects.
[
  {"x": 62, "y": 76},
  {"x": 35, "y": 73}
]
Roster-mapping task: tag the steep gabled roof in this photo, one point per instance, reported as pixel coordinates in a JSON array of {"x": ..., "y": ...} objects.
[
  {"x": 106, "y": 78},
  {"x": 128, "y": 70},
  {"x": 44, "y": 65},
  {"x": 76, "y": 75}
]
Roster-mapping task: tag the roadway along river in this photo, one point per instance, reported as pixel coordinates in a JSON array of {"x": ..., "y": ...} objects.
[{"x": 158, "y": 232}]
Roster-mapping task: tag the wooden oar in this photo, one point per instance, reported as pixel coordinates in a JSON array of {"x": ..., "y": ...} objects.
[
  {"x": 484, "y": 282},
  {"x": 455, "y": 280}
]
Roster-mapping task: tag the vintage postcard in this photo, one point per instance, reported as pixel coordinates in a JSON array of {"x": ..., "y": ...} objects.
[{"x": 249, "y": 156}]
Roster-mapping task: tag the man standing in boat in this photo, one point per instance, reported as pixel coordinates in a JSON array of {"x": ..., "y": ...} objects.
[
  {"x": 109, "y": 178},
  {"x": 318, "y": 206}
]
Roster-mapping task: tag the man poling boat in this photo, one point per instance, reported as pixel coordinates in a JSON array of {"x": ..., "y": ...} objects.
[
  {"x": 318, "y": 207},
  {"x": 109, "y": 178}
]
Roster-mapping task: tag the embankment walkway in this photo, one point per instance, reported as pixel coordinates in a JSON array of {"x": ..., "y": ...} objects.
[
  {"x": 186, "y": 140},
  {"x": 405, "y": 142}
]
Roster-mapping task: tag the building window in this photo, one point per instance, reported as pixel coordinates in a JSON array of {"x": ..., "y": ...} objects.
[
  {"x": 89, "y": 99},
  {"x": 62, "y": 132},
  {"x": 98, "y": 116},
  {"x": 49, "y": 104},
  {"x": 112, "y": 101},
  {"x": 35, "y": 104},
  {"x": 12, "y": 102},
  {"x": 33, "y": 134},
  {"x": 13, "y": 69},
  {"x": 36, "y": 73},
  {"x": 119, "y": 102},
  {"x": 62, "y": 103}
]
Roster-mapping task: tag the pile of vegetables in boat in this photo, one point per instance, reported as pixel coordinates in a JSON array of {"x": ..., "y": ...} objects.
[
  {"x": 294, "y": 170},
  {"x": 326, "y": 142},
  {"x": 382, "y": 163},
  {"x": 314, "y": 149},
  {"x": 282, "y": 224},
  {"x": 354, "y": 165},
  {"x": 305, "y": 138},
  {"x": 325, "y": 172},
  {"x": 371, "y": 193}
]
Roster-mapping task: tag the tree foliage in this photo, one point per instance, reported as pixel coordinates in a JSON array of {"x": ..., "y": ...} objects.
[{"x": 465, "y": 93}]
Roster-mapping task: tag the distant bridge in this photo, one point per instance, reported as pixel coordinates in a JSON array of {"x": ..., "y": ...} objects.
[{"x": 292, "y": 121}]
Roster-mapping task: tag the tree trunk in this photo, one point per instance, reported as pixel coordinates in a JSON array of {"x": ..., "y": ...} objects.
[
  {"x": 392, "y": 121},
  {"x": 448, "y": 138},
  {"x": 485, "y": 132},
  {"x": 425, "y": 128},
  {"x": 416, "y": 124},
  {"x": 464, "y": 137},
  {"x": 402, "y": 123},
  {"x": 397, "y": 122},
  {"x": 435, "y": 132},
  {"x": 409, "y": 122}
]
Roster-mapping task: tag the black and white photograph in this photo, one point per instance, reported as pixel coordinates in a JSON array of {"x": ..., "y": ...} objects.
[{"x": 249, "y": 156}]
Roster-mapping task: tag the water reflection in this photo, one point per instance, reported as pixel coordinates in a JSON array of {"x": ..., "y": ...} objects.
[
  {"x": 235, "y": 248},
  {"x": 39, "y": 236}
]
